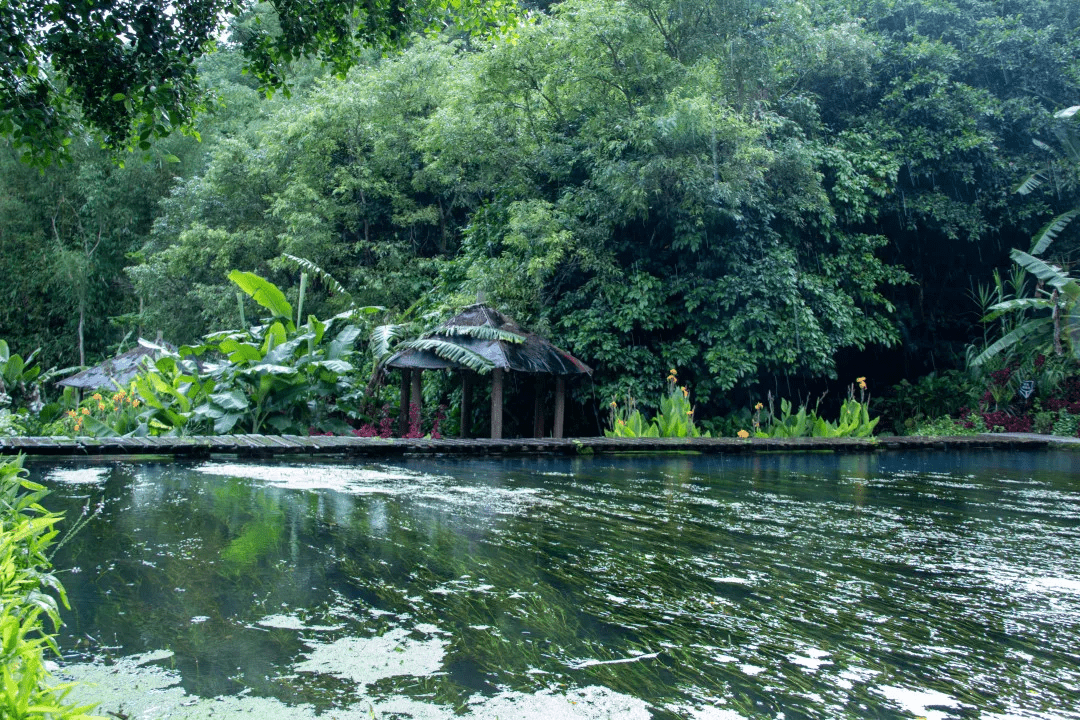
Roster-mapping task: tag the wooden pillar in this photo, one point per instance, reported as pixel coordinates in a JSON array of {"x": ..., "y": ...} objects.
[
  {"x": 538, "y": 407},
  {"x": 560, "y": 407},
  {"x": 416, "y": 395},
  {"x": 403, "y": 413},
  {"x": 496, "y": 403},
  {"x": 466, "y": 402}
]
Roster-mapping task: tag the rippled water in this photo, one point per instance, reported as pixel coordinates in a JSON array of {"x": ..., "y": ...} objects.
[{"x": 936, "y": 585}]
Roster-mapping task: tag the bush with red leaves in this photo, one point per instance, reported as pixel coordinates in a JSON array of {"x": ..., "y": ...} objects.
[{"x": 1008, "y": 423}]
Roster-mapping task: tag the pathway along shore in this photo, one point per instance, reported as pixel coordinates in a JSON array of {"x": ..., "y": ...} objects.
[{"x": 264, "y": 446}]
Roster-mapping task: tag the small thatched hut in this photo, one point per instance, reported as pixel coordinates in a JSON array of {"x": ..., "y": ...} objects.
[
  {"x": 531, "y": 354},
  {"x": 114, "y": 372}
]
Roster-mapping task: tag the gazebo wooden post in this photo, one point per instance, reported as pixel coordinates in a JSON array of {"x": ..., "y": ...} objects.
[
  {"x": 403, "y": 414},
  {"x": 538, "y": 407},
  {"x": 560, "y": 407},
  {"x": 416, "y": 395},
  {"x": 466, "y": 401},
  {"x": 496, "y": 403}
]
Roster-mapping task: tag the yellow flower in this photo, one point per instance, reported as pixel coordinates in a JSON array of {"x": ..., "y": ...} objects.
[
  {"x": 672, "y": 371},
  {"x": 96, "y": 396},
  {"x": 135, "y": 404},
  {"x": 743, "y": 434},
  {"x": 690, "y": 411},
  {"x": 614, "y": 404},
  {"x": 101, "y": 406},
  {"x": 72, "y": 413},
  {"x": 685, "y": 392},
  {"x": 758, "y": 406},
  {"x": 85, "y": 411}
]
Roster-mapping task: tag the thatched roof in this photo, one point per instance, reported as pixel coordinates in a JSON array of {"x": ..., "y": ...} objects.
[
  {"x": 534, "y": 355},
  {"x": 115, "y": 372}
]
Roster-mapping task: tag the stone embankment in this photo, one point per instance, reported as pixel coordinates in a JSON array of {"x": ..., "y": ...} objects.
[{"x": 275, "y": 445}]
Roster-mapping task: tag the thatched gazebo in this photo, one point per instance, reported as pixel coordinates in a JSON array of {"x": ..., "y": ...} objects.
[
  {"x": 509, "y": 348},
  {"x": 116, "y": 372}
]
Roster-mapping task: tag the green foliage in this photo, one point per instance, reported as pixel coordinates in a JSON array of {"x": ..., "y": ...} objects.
[
  {"x": 129, "y": 71},
  {"x": 675, "y": 418},
  {"x": 934, "y": 395},
  {"x": 1066, "y": 425},
  {"x": 743, "y": 188},
  {"x": 627, "y": 421},
  {"x": 945, "y": 426},
  {"x": 272, "y": 375},
  {"x": 854, "y": 419},
  {"x": 20, "y": 385},
  {"x": 266, "y": 294},
  {"x": 28, "y": 597}
]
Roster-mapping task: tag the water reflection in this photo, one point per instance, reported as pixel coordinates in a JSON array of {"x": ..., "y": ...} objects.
[{"x": 816, "y": 586}]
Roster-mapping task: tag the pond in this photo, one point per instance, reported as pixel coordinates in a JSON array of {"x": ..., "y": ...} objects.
[{"x": 935, "y": 585}]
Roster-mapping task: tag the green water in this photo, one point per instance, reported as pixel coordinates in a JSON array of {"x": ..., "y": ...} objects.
[{"x": 935, "y": 585}]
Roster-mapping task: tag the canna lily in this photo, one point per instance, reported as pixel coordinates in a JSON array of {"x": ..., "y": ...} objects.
[{"x": 743, "y": 434}]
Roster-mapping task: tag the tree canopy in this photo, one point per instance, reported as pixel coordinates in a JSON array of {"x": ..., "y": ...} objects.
[
  {"x": 753, "y": 191},
  {"x": 128, "y": 68}
]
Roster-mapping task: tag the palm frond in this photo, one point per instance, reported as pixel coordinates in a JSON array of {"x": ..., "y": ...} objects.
[
  {"x": 480, "y": 332},
  {"x": 1051, "y": 230},
  {"x": 308, "y": 266},
  {"x": 381, "y": 338},
  {"x": 450, "y": 351},
  {"x": 1025, "y": 330}
]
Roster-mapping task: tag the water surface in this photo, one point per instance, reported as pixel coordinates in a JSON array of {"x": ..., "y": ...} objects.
[{"x": 936, "y": 585}]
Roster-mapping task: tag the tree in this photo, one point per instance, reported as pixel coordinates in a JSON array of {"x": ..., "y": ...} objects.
[{"x": 128, "y": 68}]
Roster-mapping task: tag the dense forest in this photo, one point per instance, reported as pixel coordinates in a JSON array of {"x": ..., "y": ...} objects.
[{"x": 765, "y": 194}]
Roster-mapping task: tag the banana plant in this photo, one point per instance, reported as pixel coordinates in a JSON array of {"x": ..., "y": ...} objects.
[
  {"x": 1048, "y": 321},
  {"x": 1054, "y": 328},
  {"x": 17, "y": 377}
]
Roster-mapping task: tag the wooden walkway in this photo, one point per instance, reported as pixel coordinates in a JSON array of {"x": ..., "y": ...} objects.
[{"x": 275, "y": 445}]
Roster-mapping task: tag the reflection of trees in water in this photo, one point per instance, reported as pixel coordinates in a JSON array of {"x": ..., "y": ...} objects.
[{"x": 713, "y": 563}]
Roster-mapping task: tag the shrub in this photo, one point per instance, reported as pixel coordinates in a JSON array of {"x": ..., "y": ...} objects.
[{"x": 28, "y": 595}]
